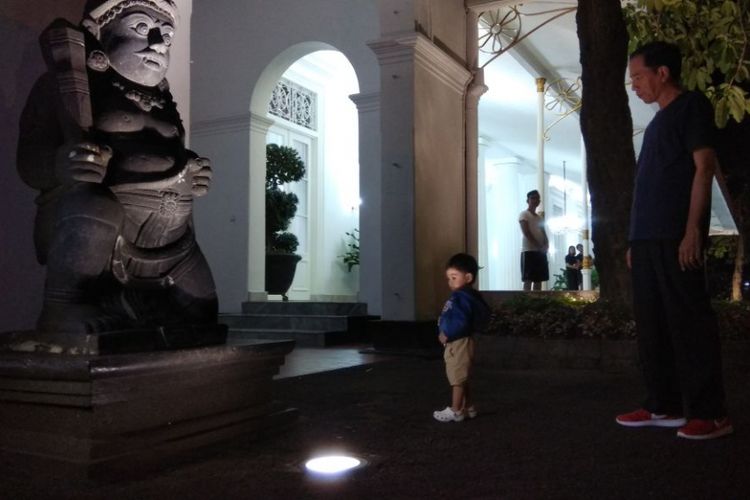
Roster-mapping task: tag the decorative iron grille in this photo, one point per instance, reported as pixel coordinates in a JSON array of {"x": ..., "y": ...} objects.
[{"x": 294, "y": 103}]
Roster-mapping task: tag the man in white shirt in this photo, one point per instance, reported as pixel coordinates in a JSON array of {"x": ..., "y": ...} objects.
[{"x": 534, "y": 266}]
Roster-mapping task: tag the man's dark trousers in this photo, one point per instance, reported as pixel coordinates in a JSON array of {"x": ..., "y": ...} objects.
[{"x": 678, "y": 337}]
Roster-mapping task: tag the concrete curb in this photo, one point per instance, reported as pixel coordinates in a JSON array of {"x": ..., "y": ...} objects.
[{"x": 603, "y": 354}]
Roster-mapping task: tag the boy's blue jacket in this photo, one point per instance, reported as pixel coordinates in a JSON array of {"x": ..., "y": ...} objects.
[{"x": 464, "y": 313}]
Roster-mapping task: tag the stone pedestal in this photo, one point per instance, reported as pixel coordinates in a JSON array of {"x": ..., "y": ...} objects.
[{"x": 104, "y": 415}]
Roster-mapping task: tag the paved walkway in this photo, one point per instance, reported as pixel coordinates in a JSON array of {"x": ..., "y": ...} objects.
[
  {"x": 541, "y": 434},
  {"x": 307, "y": 360}
]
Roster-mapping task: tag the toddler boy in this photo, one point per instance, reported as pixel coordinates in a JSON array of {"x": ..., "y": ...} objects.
[{"x": 463, "y": 313}]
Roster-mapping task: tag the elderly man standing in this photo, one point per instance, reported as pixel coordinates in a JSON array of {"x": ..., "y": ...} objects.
[{"x": 678, "y": 336}]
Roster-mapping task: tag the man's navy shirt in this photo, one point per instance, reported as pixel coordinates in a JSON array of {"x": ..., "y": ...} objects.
[{"x": 664, "y": 178}]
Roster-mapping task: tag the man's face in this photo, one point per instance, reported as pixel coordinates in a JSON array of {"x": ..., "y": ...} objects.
[
  {"x": 647, "y": 83},
  {"x": 534, "y": 200},
  {"x": 457, "y": 278},
  {"x": 137, "y": 44}
]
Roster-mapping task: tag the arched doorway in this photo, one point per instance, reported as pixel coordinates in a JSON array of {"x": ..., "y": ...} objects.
[{"x": 307, "y": 107}]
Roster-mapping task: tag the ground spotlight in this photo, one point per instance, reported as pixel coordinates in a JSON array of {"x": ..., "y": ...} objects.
[{"x": 333, "y": 465}]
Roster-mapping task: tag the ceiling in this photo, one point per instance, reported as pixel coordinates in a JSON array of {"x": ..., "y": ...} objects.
[{"x": 508, "y": 111}]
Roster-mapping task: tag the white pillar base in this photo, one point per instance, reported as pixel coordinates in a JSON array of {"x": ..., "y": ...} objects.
[{"x": 586, "y": 273}]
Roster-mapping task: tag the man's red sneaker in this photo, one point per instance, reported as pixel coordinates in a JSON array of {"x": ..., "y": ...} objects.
[
  {"x": 697, "y": 428},
  {"x": 644, "y": 418}
]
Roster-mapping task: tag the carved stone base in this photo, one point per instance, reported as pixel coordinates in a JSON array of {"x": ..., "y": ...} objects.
[
  {"x": 114, "y": 342},
  {"x": 105, "y": 415}
]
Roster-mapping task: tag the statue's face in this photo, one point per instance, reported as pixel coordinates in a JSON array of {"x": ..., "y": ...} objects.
[{"x": 137, "y": 44}]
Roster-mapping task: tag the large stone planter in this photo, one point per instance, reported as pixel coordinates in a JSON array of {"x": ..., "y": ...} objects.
[{"x": 280, "y": 269}]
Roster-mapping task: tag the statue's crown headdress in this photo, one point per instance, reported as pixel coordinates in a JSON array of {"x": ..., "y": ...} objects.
[{"x": 98, "y": 13}]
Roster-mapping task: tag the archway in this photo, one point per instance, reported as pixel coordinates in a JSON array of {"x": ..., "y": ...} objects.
[{"x": 302, "y": 101}]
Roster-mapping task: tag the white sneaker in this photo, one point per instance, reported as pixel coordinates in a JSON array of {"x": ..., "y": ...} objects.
[
  {"x": 447, "y": 415},
  {"x": 470, "y": 412}
]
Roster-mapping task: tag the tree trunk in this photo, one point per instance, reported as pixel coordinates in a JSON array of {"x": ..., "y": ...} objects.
[
  {"x": 733, "y": 148},
  {"x": 607, "y": 130},
  {"x": 739, "y": 260}
]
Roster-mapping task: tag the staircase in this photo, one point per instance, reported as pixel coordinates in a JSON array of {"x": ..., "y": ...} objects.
[{"x": 311, "y": 324}]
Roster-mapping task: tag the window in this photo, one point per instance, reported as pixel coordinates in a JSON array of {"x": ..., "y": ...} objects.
[{"x": 294, "y": 103}]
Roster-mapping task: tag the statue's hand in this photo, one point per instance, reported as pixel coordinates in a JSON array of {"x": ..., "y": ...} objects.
[
  {"x": 82, "y": 162},
  {"x": 200, "y": 168}
]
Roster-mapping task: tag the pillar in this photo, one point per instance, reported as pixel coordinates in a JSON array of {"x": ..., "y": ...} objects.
[
  {"x": 482, "y": 254},
  {"x": 370, "y": 211},
  {"x": 256, "y": 279},
  {"x": 585, "y": 236},
  {"x": 540, "y": 182}
]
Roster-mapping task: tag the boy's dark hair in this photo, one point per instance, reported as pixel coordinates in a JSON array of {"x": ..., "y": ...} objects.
[
  {"x": 660, "y": 53},
  {"x": 531, "y": 193},
  {"x": 464, "y": 263}
]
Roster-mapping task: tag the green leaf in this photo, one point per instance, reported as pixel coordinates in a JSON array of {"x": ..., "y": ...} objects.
[
  {"x": 728, "y": 9},
  {"x": 737, "y": 103},
  {"x": 721, "y": 114},
  {"x": 737, "y": 112}
]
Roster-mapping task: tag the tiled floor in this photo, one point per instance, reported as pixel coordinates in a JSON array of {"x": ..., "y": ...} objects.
[{"x": 307, "y": 360}]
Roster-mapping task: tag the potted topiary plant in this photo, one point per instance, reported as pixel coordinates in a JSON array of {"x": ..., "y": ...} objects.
[
  {"x": 351, "y": 256},
  {"x": 283, "y": 165}
]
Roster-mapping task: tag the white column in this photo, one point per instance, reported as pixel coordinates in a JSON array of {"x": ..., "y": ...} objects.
[
  {"x": 256, "y": 279},
  {"x": 540, "y": 181},
  {"x": 482, "y": 219},
  {"x": 396, "y": 56},
  {"x": 370, "y": 211},
  {"x": 474, "y": 91},
  {"x": 504, "y": 201},
  {"x": 585, "y": 235}
]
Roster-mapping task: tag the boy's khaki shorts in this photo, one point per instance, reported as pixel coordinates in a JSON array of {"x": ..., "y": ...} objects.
[{"x": 459, "y": 356}]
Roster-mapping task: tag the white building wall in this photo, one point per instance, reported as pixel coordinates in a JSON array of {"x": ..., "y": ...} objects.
[
  {"x": 178, "y": 73},
  {"x": 240, "y": 45},
  {"x": 340, "y": 191}
]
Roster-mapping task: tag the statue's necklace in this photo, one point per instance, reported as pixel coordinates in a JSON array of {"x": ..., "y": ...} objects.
[{"x": 143, "y": 100}]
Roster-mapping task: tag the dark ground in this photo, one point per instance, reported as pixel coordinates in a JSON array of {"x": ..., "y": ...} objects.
[{"x": 540, "y": 435}]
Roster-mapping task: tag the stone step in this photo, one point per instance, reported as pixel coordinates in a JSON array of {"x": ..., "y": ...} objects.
[
  {"x": 293, "y": 322},
  {"x": 303, "y": 338},
  {"x": 309, "y": 323},
  {"x": 306, "y": 308}
]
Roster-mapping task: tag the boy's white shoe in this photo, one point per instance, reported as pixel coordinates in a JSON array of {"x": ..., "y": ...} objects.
[{"x": 448, "y": 415}]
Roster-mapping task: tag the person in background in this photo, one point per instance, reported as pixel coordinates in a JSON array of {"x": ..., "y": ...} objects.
[
  {"x": 534, "y": 266},
  {"x": 572, "y": 269},
  {"x": 579, "y": 258}
]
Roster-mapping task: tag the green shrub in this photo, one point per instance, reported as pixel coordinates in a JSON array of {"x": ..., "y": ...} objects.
[
  {"x": 536, "y": 316},
  {"x": 351, "y": 256},
  {"x": 283, "y": 166},
  {"x": 734, "y": 319},
  {"x": 562, "y": 316},
  {"x": 607, "y": 320}
]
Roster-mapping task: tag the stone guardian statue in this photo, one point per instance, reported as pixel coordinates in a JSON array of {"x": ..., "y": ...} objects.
[{"x": 103, "y": 143}]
